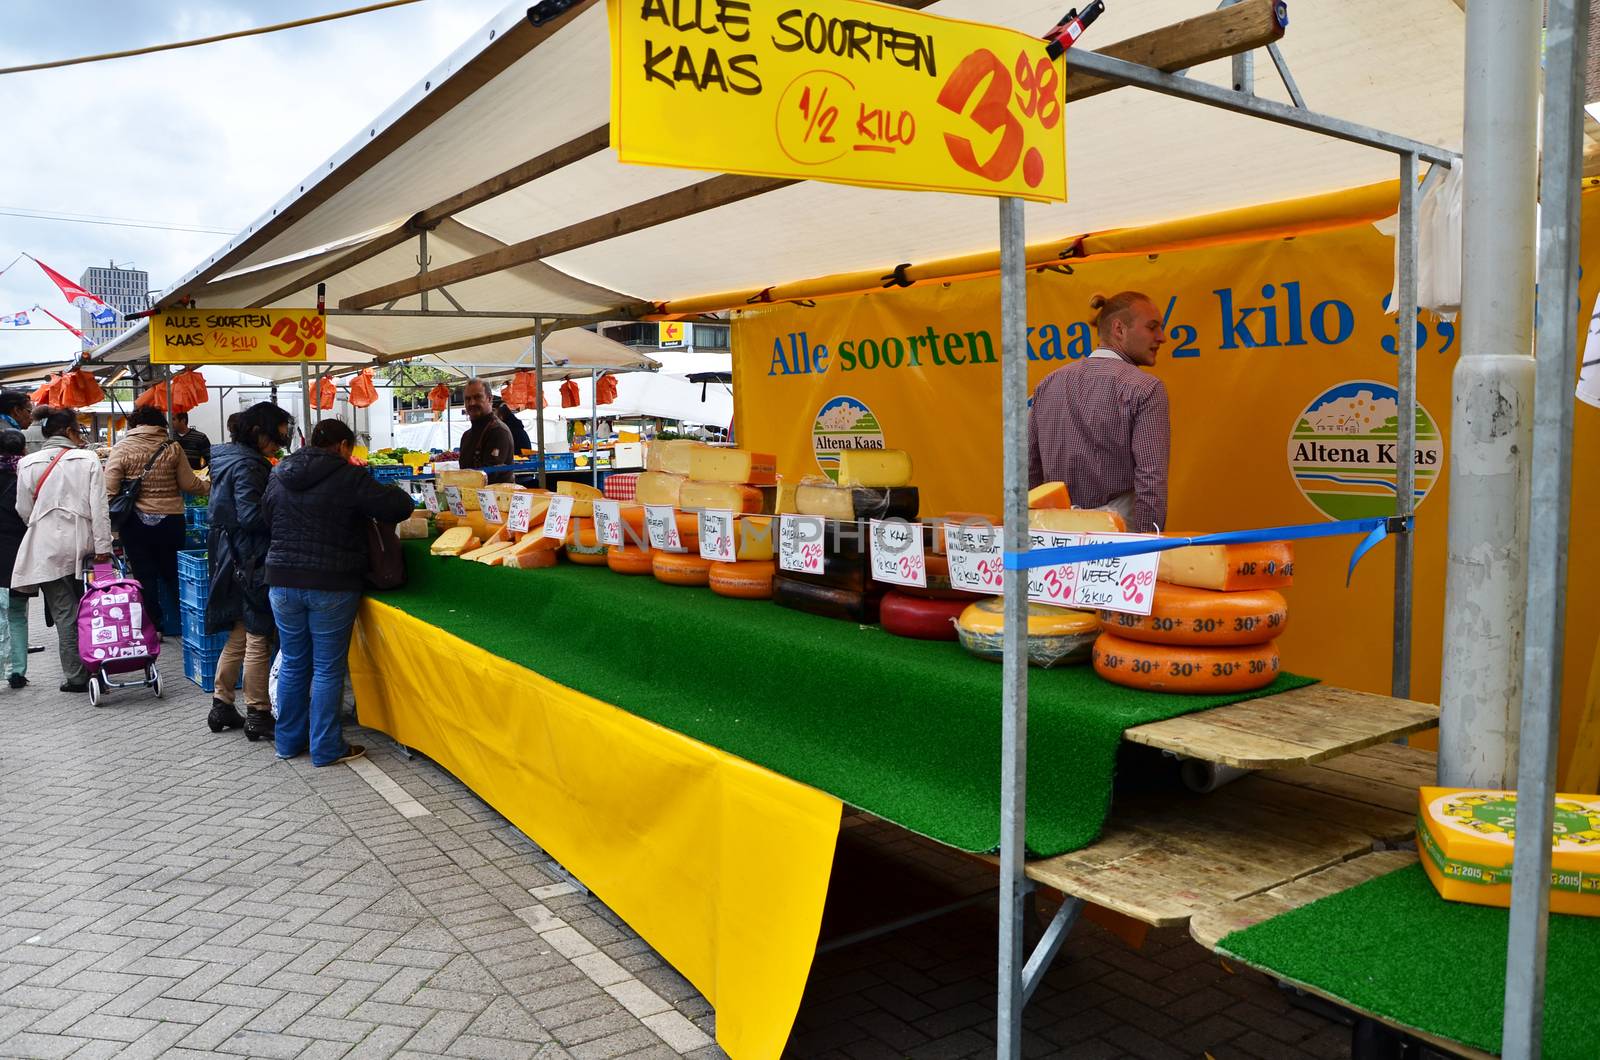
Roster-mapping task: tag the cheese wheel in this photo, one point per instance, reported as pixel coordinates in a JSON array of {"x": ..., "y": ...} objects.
[
  {"x": 851, "y": 575},
  {"x": 857, "y": 502},
  {"x": 937, "y": 566},
  {"x": 658, "y": 487},
  {"x": 531, "y": 560},
  {"x": 1184, "y": 667},
  {"x": 1180, "y": 614},
  {"x": 680, "y": 568},
  {"x": 874, "y": 467},
  {"x": 581, "y": 532},
  {"x": 587, "y": 557},
  {"x": 975, "y": 520},
  {"x": 825, "y": 601},
  {"x": 1259, "y": 565},
  {"x": 922, "y": 619},
  {"x": 713, "y": 464},
  {"x": 1049, "y": 495},
  {"x": 721, "y": 496},
  {"x": 1076, "y": 520},
  {"x": 674, "y": 456},
  {"x": 1057, "y": 636},
  {"x": 746, "y": 580},
  {"x": 625, "y": 559}
]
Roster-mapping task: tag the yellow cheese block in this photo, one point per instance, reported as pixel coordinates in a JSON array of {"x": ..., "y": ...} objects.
[
  {"x": 469, "y": 481},
  {"x": 412, "y": 529},
  {"x": 659, "y": 487},
  {"x": 453, "y": 542},
  {"x": 711, "y": 464},
  {"x": 1076, "y": 521},
  {"x": 784, "y": 504},
  {"x": 488, "y": 552},
  {"x": 1262, "y": 565},
  {"x": 754, "y": 534},
  {"x": 1466, "y": 838},
  {"x": 579, "y": 489},
  {"x": 530, "y": 543},
  {"x": 720, "y": 496},
  {"x": 857, "y": 502},
  {"x": 1049, "y": 495},
  {"x": 874, "y": 467},
  {"x": 673, "y": 456}
]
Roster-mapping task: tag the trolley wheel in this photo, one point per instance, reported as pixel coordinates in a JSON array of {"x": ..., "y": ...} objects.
[
  {"x": 155, "y": 680},
  {"x": 95, "y": 692}
]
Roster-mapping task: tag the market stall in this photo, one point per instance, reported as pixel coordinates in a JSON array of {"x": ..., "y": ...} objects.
[{"x": 760, "y": 238}]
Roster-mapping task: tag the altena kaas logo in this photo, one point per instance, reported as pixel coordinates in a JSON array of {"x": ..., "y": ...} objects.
[
  {"x": 843, "y": 423},
  {"x": 1342, "y": 451}
]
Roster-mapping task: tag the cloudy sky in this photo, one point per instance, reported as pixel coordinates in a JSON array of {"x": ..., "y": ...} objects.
[{"x": 204, "y": 137}]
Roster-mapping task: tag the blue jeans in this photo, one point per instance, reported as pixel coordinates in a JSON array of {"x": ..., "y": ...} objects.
[
  {"x": 14, "y": 631},
  {"x": 313, "y": 643}
]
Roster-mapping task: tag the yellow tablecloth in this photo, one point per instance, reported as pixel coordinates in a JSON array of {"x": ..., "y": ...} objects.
[{"x": 720, "y": 865}]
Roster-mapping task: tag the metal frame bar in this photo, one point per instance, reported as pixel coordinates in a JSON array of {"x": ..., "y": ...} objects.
[
  {"x": 1017, "y": 979},
  {"x": 900, "y": 924},
  {"x": 1558, "y": 334}
]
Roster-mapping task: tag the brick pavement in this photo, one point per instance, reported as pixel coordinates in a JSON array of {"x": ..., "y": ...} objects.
[{"x": 169, "y": 892}]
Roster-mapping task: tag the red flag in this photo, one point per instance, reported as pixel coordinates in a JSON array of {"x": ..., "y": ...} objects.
[
  {"x": 75, "y": 295},
  {"x": 64, "y": 324}
]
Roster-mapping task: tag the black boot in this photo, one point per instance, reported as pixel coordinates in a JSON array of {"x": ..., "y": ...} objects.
[
  {"x": 223, "y": 716},
  {"x": 258, "y": 724}
]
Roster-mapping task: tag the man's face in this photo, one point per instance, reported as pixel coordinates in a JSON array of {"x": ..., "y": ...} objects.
[
  {"x": 181, "y": 423},
  {"x": 1141, "y": 334},
  {"x": 24, "y": 415},
  {"x": 477, "y": 400}
]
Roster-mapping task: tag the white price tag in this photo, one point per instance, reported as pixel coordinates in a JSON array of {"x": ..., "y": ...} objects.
[
  {"x": 489, "y": 505},
  {"x": 430, "y": 497},
  {"x": 716, "y": 537},
  {"x": 521, "y": 513},
  {"x": 1124, "y": 583},
  {"x": 452, "y": 497},
  {"x": 661, "y": 521},
  {"x": 976, "y": 564},
  {"x": 1053, "y": 585},
  {"x": 558, "y": 517},
  {"x": 800, "y": 539},
  {"x": 897, "y": 553},
  {"x": 608, "y": 522}
]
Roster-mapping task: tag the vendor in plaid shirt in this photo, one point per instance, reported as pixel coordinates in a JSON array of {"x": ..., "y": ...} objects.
[{"x": 1100, "y": 424}]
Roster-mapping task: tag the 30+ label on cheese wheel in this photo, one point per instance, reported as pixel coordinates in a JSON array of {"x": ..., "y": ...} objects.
[
  {"x": 1181, "y": 614},
  {"x": 1184, "y": 667}
]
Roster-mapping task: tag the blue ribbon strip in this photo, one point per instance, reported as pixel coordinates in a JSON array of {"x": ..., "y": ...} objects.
[{"x": 1375, "y": 530}]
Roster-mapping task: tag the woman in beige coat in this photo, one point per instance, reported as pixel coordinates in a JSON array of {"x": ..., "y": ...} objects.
[
  {"x": 61, "y": 495},
  {"x": 154, "y": 536}
]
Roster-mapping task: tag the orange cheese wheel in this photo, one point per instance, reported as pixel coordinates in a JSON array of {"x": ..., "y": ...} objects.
[
  {"x": 625, "y": 559},
  {"x": 749, "y": 579},
  {"x": 680, "y": 568},
  {"x": 1229, "y": 568},
  {"x": 581, "y": 532},
  {"x": 1184, "y": 667},
  {"x": 1180, "y": 614},
  {"x": 532, "y": 560},
  {"x": 937, "y": 566},
  {"x": 587, "y": 557}
]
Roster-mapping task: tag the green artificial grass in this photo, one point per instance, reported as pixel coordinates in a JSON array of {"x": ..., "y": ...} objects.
[
  {"x": 1394, "y": 947},
  {"x": 905, "y": 729}
]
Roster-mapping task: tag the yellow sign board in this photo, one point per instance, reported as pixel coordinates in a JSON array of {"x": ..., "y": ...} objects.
[
  {"x": 839, "y": 90},
  {"x": 237, "y": 336},
  {"x": 671, "y": 333}
]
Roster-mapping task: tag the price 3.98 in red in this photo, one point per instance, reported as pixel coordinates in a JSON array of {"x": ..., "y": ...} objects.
[{"x": 1014, "y": 101}]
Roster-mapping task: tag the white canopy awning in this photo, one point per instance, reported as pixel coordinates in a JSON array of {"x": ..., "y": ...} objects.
[{"x": 504, "y": 146}]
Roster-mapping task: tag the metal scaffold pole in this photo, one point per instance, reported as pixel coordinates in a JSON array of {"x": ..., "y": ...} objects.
[
  {"x": 538, "y": 400},
  {"x": 1014, "y": 677},
  {"x": 1406, "y": 392},
  {"x": 1559, "y": 333}
]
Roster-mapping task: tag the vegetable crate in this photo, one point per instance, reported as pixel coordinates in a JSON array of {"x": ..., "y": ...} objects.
[
  {"x": 195, "y": 635},
  {"x": 201, "y": 667},
  {"x": 194, "y": 580}
]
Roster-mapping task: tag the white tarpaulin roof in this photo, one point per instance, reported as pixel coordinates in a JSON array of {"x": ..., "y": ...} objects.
[{"x": 538, "y": 98}]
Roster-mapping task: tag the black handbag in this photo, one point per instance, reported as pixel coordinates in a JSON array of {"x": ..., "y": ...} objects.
[
  {"x": 126, "y": 503},
  {"x": 386, "y": 562}
]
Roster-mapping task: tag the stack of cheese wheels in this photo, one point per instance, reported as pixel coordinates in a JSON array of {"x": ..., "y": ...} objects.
[
  {"x": 1057, "y": 636},
  {"x": 1213, "y": 624},
  {"x": 749, "y": 576}
]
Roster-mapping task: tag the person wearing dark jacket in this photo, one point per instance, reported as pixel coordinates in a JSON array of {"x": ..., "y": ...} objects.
[
  {"x": 237, "y": 551},
  {"x": 513, "y": 422},
  {"x": 14, "y": 630},
  {"x": 318, "y": 508},
  {"x": 196, "y": 446}
]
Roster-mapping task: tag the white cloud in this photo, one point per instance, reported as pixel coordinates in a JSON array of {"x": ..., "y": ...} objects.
[{"x": 208, "y": 136}]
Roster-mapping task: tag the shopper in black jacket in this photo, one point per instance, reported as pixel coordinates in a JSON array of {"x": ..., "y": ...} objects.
[
  {"x": 319, "y": 506},
  {"x": 14, "y": 627},
  {"x": 237, "y": 551}
]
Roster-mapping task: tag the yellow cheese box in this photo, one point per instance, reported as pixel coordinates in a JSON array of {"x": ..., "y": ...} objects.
[{"x": 1466, "y": 835}]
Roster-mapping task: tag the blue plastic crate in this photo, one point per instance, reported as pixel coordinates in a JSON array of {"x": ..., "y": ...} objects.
[
  {"x": 196, "y": 518},
  {"x": 390, "y": 472},
  {"x": 200, "y": 666},
  {"x": 195, "y": 635},
  {"x": 560, "y": 462},
  {"x": 193, "y": 567}
]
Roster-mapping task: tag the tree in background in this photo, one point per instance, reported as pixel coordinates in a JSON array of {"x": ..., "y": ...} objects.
[{"x": 413, "y": 381}]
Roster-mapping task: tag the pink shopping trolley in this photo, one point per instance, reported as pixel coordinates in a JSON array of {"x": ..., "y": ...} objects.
[{"x": 116, "y": 638}]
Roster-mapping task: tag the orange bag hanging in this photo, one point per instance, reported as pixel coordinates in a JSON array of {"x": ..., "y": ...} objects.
[
  {"x": 363, "y": 391},
  {"x": 153, "y": 398},
  {"x": 42, "y": 395},
  {"x": 439, "y": 398},
  {"x": 189, "y": 390},
  {"x": 80, "y": 389},
  {"x": 326, "y": 393},
  {"x": 605, "y": 389},
  {"x": 569, "y": 395}
]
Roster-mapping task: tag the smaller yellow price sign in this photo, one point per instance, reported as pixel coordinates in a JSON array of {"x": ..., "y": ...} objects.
[
  {"x": 237, "y": 336},
  {"x": 841, "y": 90}
]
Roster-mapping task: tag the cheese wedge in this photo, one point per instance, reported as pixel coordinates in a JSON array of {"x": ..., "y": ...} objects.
[
  {"x": 1264, "y": 565},
  {"x": 1049, "y": 495},
  {"x": 490, "y": 552},
  {"x": 1077, "y": 521},
  {"x": 784, "y": 502},
  {"x": 659, "y": 487},
  {"x": 874, "y": 467},
  {"x": 754, "y": 534},
  {"x": 711, "y": 464},
  {"x": 720, "y": 496},
  {"x": 529, "y": 560},
  {"x": 412, "y": 529},
  {"x": 452, "y": 542},
  {"x": 579, "y": 489},
  {"x": 529, "y": 544},
  {"x": 857, "y": 502},
  {"x": 672, "y": 457}
]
